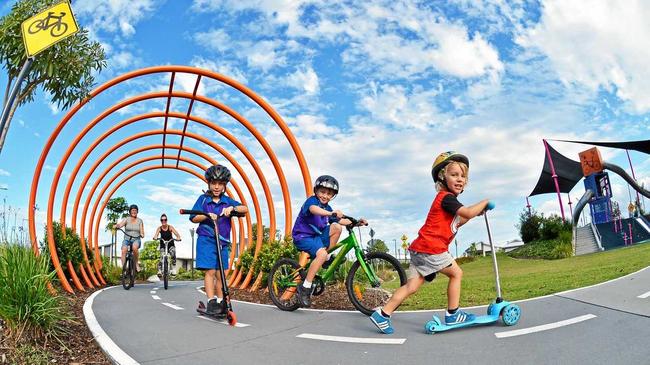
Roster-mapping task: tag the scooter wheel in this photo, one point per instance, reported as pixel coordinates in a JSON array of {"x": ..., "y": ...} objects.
[
  {"x": 232, "y": 318},
  {"x": 510, "y": 314},
  {"x": 492, "y": 308},
  {"x": 430, "y": 327}
]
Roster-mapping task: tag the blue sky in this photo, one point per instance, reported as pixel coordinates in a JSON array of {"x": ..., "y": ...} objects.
[{"x": 373, "y": 91}]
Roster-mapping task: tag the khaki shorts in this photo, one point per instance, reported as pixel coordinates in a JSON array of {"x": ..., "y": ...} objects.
[{"x": 425, "y": 265}]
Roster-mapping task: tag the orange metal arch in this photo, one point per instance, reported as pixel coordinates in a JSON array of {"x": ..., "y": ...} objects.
[
  {"x": 142, "y": 170},
  {"x": 202, "y": 139},
  {"x": 201, "y": 154},
  {"x": 74, "y": 110}
]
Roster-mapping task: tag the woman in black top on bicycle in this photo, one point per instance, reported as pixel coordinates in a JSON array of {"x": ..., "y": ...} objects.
[{"x": 165, "y": 231}]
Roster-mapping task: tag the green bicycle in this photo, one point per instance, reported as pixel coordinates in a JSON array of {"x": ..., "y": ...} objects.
[{"x": 371, "y": 281}]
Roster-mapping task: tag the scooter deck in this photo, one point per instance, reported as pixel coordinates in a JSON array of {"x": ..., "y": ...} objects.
[
  {"x": 203, "y": 310},
  {"x": 479, "y": 320}
]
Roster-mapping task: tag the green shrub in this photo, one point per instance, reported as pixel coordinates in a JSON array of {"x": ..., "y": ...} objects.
[
  {"x": 25, "y": 301},
  {"x": 552, "y": 226},
  {"x": 111, "y": 273},
  {"x": 246, "y": 258},
  {"x": 558, "y": 248},
  {"x": 464, "y": 260},
  {"x": 187, "y": 274},
  {"x": 149, "y": 257},
  {"x": 529, "y": 225}
]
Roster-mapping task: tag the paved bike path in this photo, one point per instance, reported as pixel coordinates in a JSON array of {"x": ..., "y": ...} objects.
[{"x": 612, "y": 326}]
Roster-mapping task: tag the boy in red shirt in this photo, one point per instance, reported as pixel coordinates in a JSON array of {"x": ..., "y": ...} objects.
[{"x": 429, "y": 251}]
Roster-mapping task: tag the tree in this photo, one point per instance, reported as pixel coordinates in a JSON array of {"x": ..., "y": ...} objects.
[
  {"x": 117, "y": 208},
  {"x": 529, "y": 226},
  {"x": 472, "y": 251},
  {"x": 377, "y": 245},
  {"x": 267, "y": 233},
  {"x": 65, "y": 71}
]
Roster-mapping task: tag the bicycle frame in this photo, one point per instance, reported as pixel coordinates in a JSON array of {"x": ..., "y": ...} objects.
[{"x": 347, "y": 244}]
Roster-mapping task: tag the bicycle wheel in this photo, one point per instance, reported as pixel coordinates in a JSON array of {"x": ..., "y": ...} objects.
[
  {"x": 165, "y": 272},
  {"x": 132, "y": 271},
  {"x": 126, "y": 271},
  {"x": 285, "y": 275},
  {"x": 363, "y": 294},
  {"x": 58, "y": 30}
]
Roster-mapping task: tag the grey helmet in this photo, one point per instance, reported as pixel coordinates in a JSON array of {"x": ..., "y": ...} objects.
[
  {"x": 217, "y": 173},
  {"x": 327, "y": 181}
]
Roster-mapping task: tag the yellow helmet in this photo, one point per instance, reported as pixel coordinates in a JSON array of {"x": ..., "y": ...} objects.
[{"x": 444, "y": 159}]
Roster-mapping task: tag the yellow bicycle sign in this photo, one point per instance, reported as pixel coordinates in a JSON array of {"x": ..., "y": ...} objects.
[{"x": 48, "y": 27}]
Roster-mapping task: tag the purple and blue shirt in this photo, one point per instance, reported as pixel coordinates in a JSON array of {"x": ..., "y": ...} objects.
[
  {"x": 206, "y": 228},
  {"x": 308, "y": 224}
]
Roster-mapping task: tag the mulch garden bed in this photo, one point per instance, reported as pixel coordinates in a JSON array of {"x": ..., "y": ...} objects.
[
  {"x": 77, "y": 344},
  {"x": 334, "y": 297}
]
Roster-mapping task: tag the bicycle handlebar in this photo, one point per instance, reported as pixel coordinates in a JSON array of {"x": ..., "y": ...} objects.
[
  {"x": 126, "y": 234},
  {"x": 173, "y": 239},
  {"x": 200, "y": 212},
  {"x": 355, "y": 222}
]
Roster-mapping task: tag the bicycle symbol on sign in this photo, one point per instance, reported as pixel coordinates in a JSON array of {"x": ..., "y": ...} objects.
[{"x": 52, "y": 22}]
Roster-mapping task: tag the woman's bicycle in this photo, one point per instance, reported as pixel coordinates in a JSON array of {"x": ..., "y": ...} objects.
[
  {"x": 165, "y": 260},
  {"x": 129, "y": 266},
  {"x": 371, "y": 281}
]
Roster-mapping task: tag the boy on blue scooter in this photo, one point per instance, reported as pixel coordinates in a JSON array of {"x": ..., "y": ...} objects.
[{"x": 429, "y": 251}]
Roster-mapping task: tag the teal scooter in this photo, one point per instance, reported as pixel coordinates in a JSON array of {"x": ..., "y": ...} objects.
[{"x": 509, "y": 312}]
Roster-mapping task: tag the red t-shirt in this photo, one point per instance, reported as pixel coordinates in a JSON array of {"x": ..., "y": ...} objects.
[{"x": 440, "y": 226}]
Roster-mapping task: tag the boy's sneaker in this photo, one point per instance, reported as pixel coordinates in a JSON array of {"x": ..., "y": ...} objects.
[
  {"x": 304, "y": 295},
  {"x": 213, "y": 308},
  {"x": 383, "y": 323},
  {"x": 459, "y": 317}
]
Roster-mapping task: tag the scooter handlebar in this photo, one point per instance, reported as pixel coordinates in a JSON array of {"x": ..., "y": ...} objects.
[
  {"x": 490, "y": 205},
  {"x": 200, "y": 212}
]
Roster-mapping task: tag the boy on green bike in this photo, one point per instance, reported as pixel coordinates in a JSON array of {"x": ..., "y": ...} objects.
[
  {"x": 317, "y": 228},
  {"x": 429, "y": 251}
]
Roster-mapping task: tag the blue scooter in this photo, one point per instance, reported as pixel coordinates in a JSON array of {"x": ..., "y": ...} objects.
[{"x": 509, "y": 312}]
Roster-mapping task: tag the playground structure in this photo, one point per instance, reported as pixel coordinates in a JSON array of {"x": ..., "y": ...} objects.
[
  {"x": 608, "y": 228},
  {"x": 86, "y": 222}
]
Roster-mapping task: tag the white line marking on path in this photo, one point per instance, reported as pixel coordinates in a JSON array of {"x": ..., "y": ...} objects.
[
  {"x": 544, "y": 327},
  {"x": 156, "y": 288},
  {"x": 173, "y": 306},
  {"x": 110, "y": 348},
  {"x": 238, "y": 324},
  {"x": 155, "y": 297},
  {"x": 644, "y": 295},
  {"x": 381, "y": 341},
  {"x": 152, "y": 292}
]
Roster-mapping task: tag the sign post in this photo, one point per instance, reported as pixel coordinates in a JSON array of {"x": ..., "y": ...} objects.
[{"x": 40, "y": 32}]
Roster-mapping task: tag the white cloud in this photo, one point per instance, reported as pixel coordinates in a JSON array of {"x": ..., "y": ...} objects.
[
  {"x": 393, "y": 104},
  {"x": 305, "y": 80},
  {"x": 216, "y": 39},
  {"x": 124, "y": 59},
  {"x": 4, "y": 173},
  {"x": 597, "y": 45},
  {"x": 115, "y": 15}
]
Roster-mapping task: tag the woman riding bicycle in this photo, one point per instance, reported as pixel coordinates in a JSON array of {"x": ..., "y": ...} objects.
[
  {"x": 165, "y": 230},
  {"x": 134, "y": 227}
]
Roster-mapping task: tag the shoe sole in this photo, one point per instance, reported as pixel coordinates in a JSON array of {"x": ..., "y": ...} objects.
[{"x": 388, "y": 326}]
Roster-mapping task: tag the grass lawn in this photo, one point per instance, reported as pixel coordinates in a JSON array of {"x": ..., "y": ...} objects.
[{"x": 521, "y": 279}]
